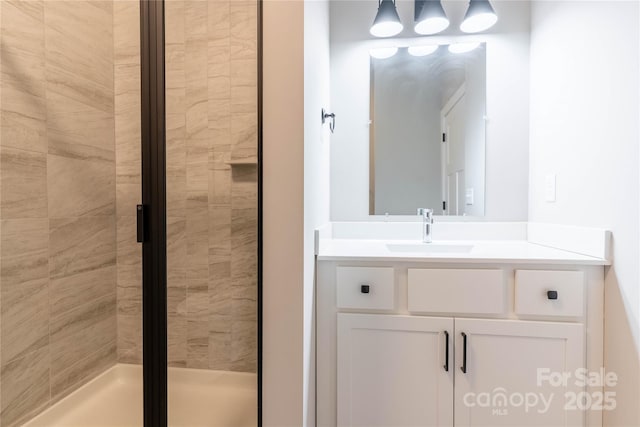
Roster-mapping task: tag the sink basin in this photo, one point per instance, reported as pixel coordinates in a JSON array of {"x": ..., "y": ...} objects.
[{"x": 430, "y": 248}]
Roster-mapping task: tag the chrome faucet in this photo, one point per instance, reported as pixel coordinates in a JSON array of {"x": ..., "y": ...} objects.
[{"x": 427, "y": 224}]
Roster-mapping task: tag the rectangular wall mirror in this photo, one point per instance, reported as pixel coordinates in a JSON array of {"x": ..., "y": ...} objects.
[{"x": 427, "y": 132}]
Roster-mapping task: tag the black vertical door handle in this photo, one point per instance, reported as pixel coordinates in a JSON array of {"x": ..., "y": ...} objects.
[
  {"x": 446, "y": 351},
  {"x": 463, "y": 368},
  {"x": 140, "y": 233}
]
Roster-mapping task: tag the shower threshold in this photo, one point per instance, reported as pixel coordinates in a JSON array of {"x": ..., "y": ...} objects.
[{"x": 197, "y": 398}]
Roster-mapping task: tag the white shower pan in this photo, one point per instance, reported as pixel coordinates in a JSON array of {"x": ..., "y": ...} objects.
[{"x": 197, "y": 398}]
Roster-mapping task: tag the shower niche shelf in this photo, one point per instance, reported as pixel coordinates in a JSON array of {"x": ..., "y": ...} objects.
[{"x": 242, "y": 162}]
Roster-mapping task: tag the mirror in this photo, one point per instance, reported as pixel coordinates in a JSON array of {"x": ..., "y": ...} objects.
[{"x": 427, "y": 132}]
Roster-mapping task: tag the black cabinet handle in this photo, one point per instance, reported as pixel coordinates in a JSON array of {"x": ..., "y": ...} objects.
[
  {"x": 446, "y": 351},
  {"x": 463, "y": 368},
  {"x": 364, "y": 289},
  {"x": 552, "y": 294}
]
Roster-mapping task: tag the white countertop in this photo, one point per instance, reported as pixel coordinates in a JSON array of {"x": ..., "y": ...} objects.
[{"x": 482, "y": 251}]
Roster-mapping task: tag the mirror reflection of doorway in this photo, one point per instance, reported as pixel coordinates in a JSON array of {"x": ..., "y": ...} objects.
[
  {"x": 410, "y": 99},
  {"x": 453, "y": 149}
]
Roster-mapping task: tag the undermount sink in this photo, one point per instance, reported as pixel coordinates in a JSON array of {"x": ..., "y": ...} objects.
[{"x": 430, "y": 248}]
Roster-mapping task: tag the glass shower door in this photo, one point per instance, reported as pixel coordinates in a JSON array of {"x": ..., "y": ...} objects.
[
  {"x": 211, "y": 84},
  {"x": 82, "y": 143}
]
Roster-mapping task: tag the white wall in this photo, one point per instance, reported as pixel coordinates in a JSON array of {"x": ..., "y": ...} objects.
[
  {"x": 507, "y": 104},
  {"x": 283, "y": 222},
  {"x": 585, "y": 129},
  {"x": 296, "y": 201},
  {"x": 316, "y": 173}
]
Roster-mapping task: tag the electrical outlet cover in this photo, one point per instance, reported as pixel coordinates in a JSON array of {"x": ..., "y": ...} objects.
[{"x": 469, "y": 197}]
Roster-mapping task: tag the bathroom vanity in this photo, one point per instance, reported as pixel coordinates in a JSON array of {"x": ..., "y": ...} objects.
[{"x": 458, "y": 332}]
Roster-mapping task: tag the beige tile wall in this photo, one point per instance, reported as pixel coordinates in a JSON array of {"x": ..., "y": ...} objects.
[
  {"x": 128, "y": 181},
  {"x": 211, "y": 87},
  {"x": 57, "y": 201},
  {"x": 70, "y": 273}
]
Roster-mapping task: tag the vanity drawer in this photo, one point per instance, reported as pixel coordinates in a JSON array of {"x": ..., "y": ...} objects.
[
  {"x": 534, "y": 293},
  {"x": 365, "y": 288},
  {"x": 457, "y": 291}
]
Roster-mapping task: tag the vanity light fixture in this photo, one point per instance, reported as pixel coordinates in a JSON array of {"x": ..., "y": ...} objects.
[
  {"x": 463, "y": 47},
  {"x": 387, "y": 22},
  {"x": 422, "y": 50},
  {"x": 429, "y": 17},
  {"x": 383, "y": 52},
  {"x": 480, "y": 16}
]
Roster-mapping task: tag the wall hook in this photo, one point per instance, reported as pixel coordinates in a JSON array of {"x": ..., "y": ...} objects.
[{"x": 326, "y": 116}]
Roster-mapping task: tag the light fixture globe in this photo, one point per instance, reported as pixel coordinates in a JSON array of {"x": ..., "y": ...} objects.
[
  {"x": 480, "y": 16},
  {"x": 387, "y": 22},
  {"x": 431, "y": 18},
  {"x": 383, "y": 52}
]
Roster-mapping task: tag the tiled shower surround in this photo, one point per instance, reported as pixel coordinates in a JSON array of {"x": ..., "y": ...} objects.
[
  {"x": 70, "y": 280},
  {"x": 211, "y": 205}
]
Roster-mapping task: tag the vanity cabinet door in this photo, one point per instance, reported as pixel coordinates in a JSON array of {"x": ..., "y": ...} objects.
[
  {"x": 393, "y": 371},
  {"x": 497, "y": 370}
]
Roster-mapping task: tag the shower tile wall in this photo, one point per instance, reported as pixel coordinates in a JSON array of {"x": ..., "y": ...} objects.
[
  {"x": 70, "y": 282},
  {"x": 128, "y": 181},
  {"x": 211, "y": 65},
  {"x": 57, "y": 201}
]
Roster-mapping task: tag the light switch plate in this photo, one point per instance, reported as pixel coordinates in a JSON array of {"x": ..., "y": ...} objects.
[
  {"x": 469, "y": 197},
  {"x": 550, "y": 188}
]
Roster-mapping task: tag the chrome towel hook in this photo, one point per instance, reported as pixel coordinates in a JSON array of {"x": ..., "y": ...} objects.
[{"x": 326, "y": 116}]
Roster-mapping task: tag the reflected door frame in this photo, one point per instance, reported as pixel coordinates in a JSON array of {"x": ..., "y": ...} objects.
[{"x": 445, "y": 157}]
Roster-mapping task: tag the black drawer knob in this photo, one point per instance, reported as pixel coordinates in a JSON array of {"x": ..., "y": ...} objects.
[
  {"x": 364, "y": 289},
  {"x": 552, "y": 294}
]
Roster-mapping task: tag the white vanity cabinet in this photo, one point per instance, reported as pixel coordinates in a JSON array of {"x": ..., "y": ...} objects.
[
  {"x": 419, "y": 344},
  {"x": 503, "y": 357},
  {"x": 392, "y": 371}
]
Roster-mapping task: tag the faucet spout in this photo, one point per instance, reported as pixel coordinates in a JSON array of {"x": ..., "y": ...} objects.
[{"x": 427, "y": 224}]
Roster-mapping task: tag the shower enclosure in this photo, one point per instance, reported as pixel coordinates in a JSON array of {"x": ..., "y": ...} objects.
[{"x": 129, "y": 213}]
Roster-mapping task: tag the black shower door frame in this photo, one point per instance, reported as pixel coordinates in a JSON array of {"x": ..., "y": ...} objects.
[{"x": 153, "y": 225}]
